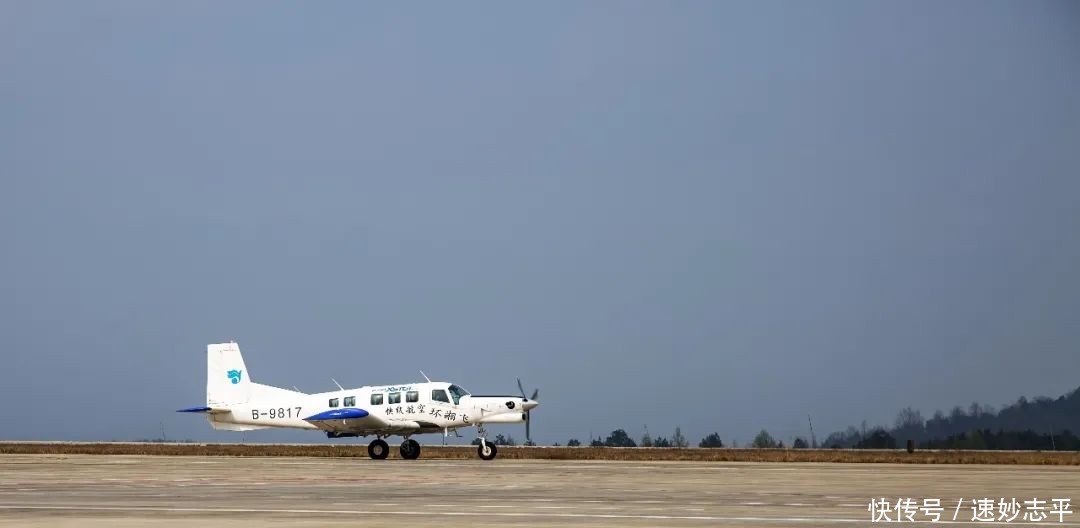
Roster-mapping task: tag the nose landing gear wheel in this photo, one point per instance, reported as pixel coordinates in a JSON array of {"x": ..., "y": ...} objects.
[
  {"x": 410, "y": 449},
  {"x": 378, "y": 449},
  {"x": 487, "y": 451}
]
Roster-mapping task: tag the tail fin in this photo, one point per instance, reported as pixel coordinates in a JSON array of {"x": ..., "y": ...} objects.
[{"x": 228, "y": 381}]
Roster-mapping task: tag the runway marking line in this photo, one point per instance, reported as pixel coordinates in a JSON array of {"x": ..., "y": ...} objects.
[{"x": 744, "y": 519}]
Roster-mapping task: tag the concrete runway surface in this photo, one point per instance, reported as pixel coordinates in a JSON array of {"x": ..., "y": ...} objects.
[{"x": 126, "y": 491}]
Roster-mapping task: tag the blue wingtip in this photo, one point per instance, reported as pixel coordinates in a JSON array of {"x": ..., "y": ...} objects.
[
  {"x": 338, "y": 414},
  {"x": 194, "y": 410}
]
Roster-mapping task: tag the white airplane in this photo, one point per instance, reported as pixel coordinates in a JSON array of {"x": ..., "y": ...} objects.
[{"x": 235, "y": 403}]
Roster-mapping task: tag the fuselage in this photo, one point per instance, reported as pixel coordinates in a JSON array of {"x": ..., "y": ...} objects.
[{"x": 434, "y": 406}]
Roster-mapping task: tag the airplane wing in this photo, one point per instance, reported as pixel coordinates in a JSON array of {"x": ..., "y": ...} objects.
[{"x": 352, "y": 420}]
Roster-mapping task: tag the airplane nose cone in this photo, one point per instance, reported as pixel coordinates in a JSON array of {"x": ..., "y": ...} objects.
[{"x": 529, "y": 404}]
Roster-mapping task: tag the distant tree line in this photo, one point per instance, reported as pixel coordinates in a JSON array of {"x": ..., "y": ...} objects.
[
  {"x": 1011, "y": 440},
  {"x": 620, "y": 438},
  {"x": 764, "y": 440},
  {"x": 1039, "y": 424}
]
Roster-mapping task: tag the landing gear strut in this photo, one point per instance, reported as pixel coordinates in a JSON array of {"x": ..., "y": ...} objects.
[
  {"x": 410, "y": 449},
  {"x": 485, "y": 450},
  {"x": 379, "y": 450}
]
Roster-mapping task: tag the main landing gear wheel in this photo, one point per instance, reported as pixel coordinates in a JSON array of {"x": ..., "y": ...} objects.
[
  {"x": 379, "y": 449},
  {"x": 487, "y": 451},
  {"x": 410, "y": 449}
]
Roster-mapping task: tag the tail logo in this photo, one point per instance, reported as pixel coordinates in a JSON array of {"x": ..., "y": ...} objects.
[{"x": 234, "y": 376}]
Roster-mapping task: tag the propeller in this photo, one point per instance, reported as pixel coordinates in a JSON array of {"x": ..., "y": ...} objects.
[{"x": 528, "y": 413}]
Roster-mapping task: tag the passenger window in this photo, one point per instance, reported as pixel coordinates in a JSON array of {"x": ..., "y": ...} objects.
[
  {"x": 376, "y": 399},
  {"x": 395, "y": 397},
  {"x": 333, "y": 402},
  {"x": 412, "y": 397},
  {"x": 350, "y": 401},
  {"x": 439, "y": 395}
]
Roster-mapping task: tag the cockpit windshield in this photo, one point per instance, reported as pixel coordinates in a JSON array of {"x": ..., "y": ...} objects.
[{"x": 457, "y": 392}]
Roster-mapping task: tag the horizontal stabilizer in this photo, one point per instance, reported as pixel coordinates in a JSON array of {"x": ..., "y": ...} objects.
[{"x": 206, "y": 410}]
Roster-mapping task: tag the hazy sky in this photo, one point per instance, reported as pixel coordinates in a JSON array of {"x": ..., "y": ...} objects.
[{"x": 719, "y": 215}]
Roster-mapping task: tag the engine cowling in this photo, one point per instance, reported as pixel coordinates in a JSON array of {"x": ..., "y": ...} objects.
[{"x": 510, "y": 417}]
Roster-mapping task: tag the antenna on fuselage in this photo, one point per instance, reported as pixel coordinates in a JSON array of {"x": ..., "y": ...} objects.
[
  {"x": 425, "y": 376},
  {"x": 338, "y": 384}
]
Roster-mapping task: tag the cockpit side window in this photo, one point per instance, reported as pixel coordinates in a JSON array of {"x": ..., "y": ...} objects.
[
  {"x": 457, "y": 392},
  {"x": 439, "y": 395}
]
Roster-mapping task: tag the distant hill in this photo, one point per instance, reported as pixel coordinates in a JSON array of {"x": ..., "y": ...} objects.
[{"x": 1041, "y": 423}]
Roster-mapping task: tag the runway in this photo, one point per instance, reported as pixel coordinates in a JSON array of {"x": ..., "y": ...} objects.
[{"x": 123, "y": 491}]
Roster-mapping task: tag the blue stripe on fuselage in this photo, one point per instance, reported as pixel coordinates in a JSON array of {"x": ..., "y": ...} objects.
[{"x": 337, "y": 414}]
